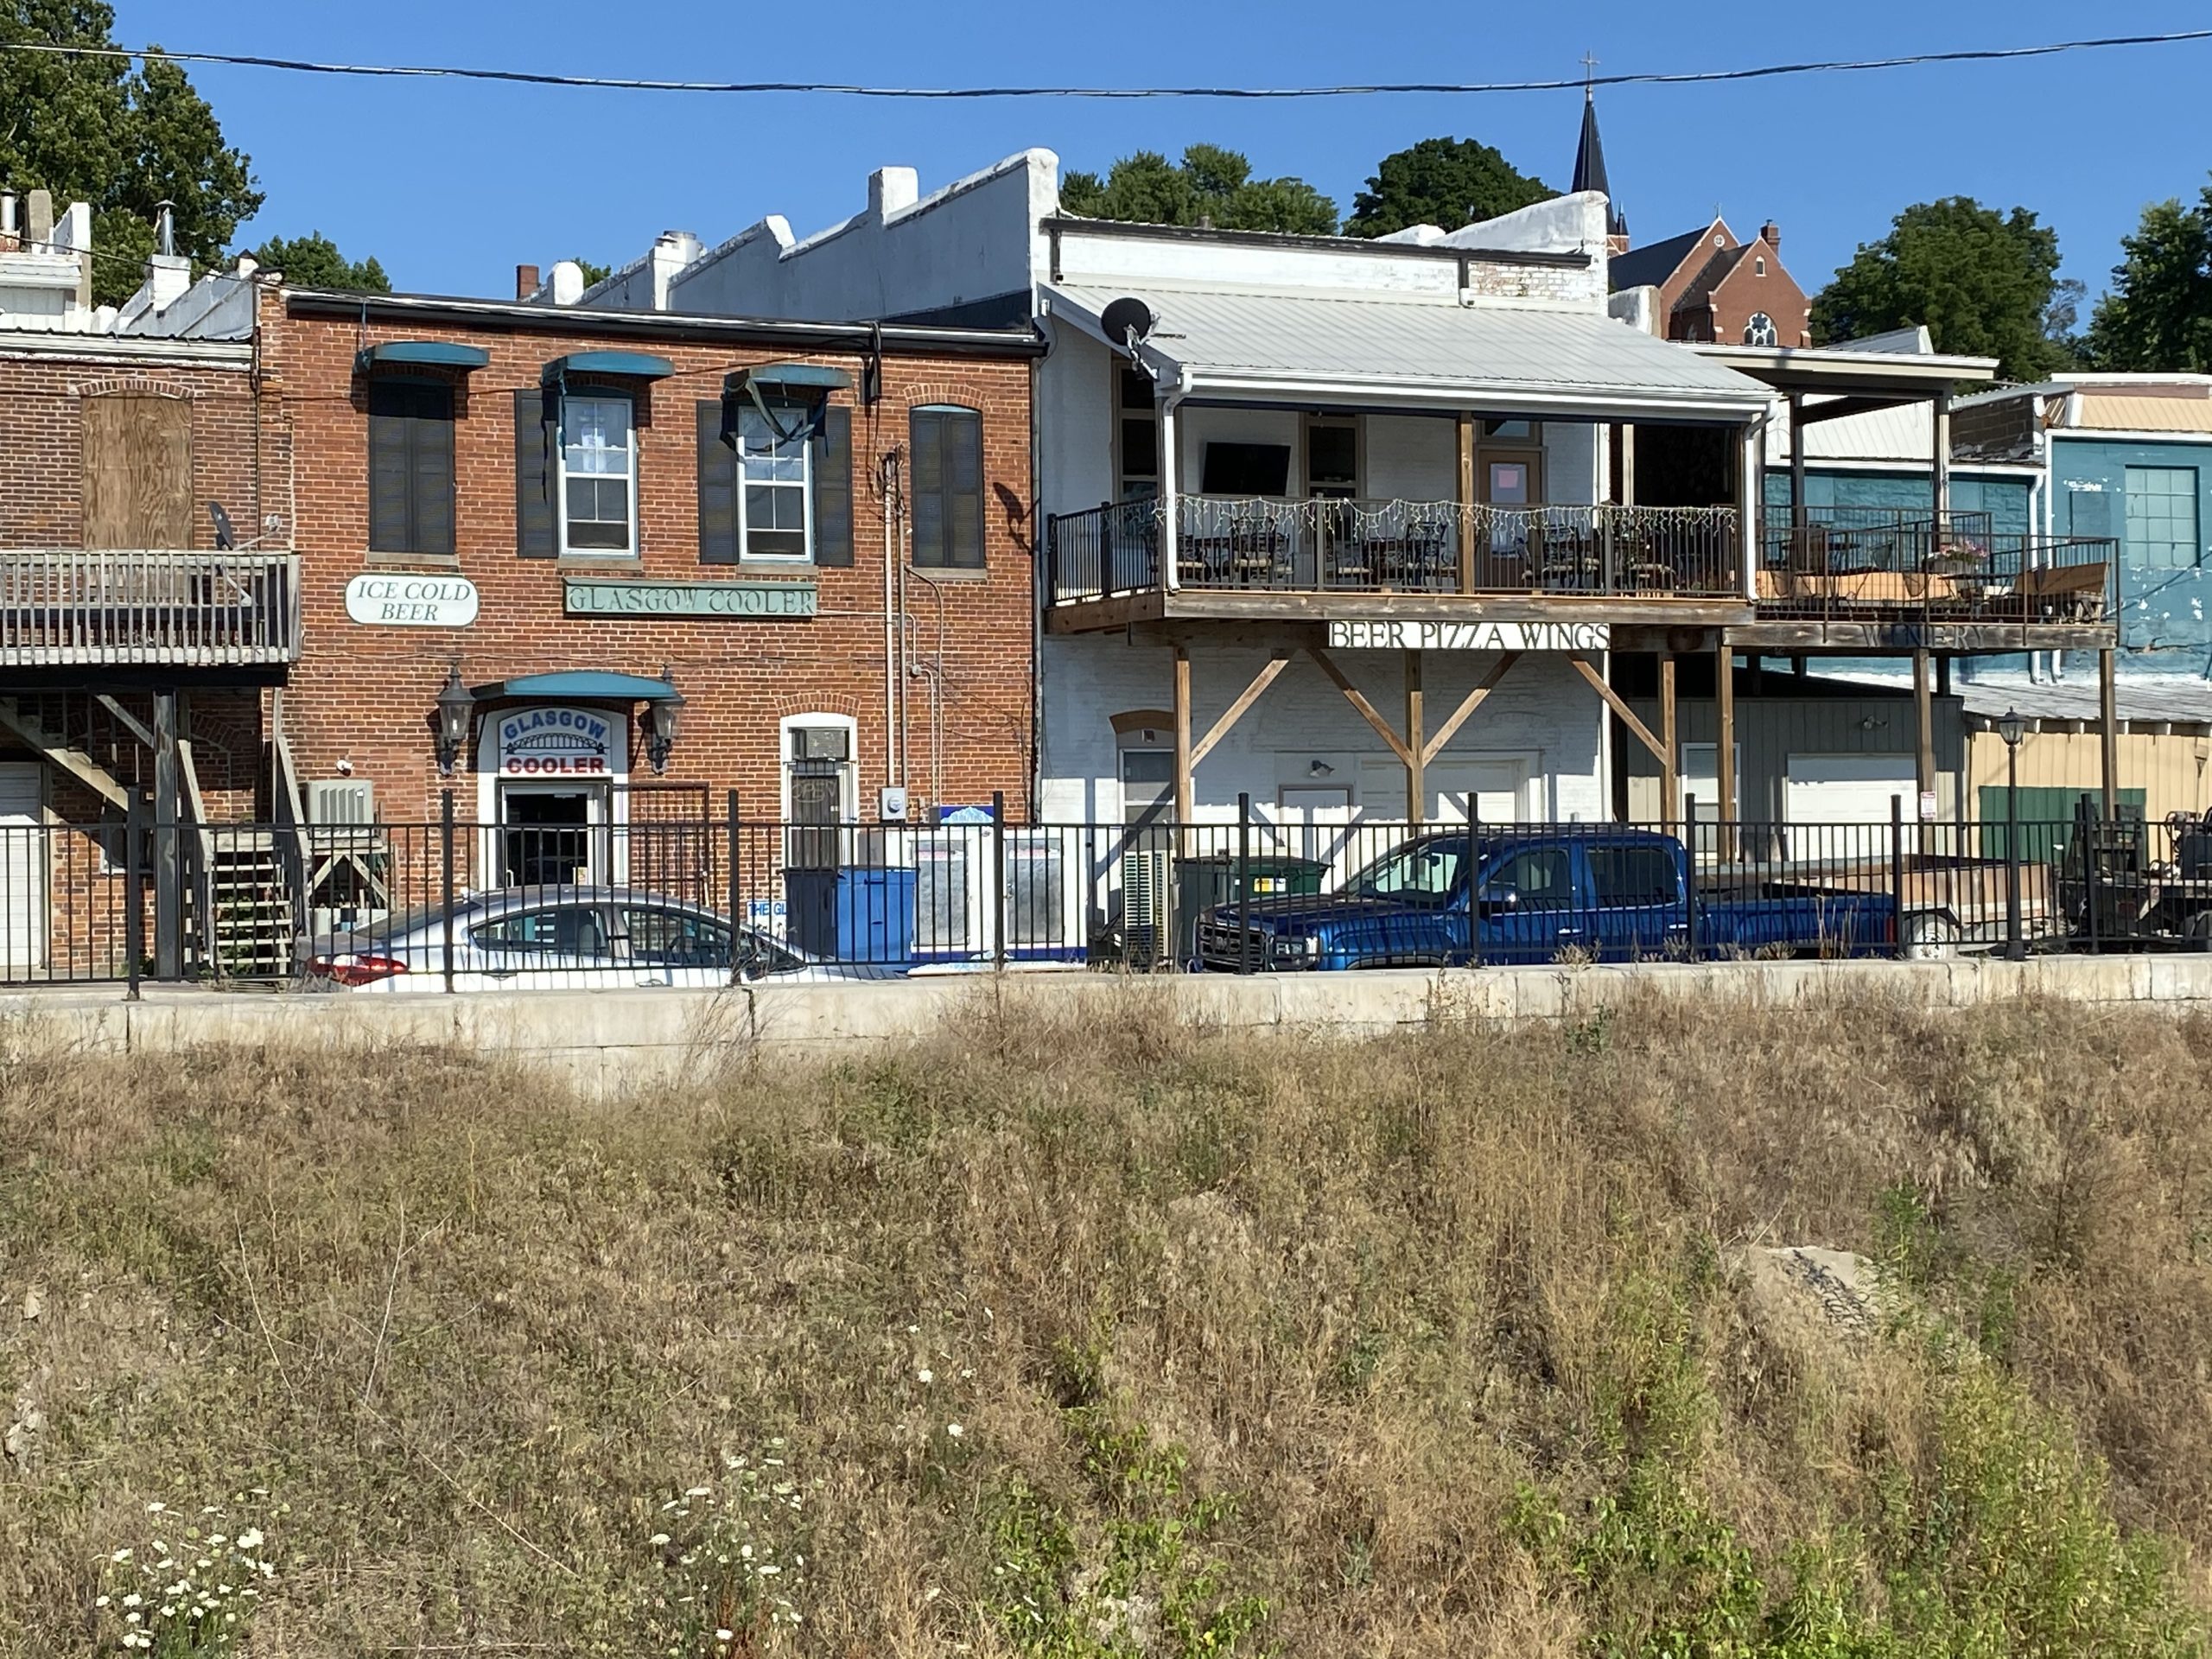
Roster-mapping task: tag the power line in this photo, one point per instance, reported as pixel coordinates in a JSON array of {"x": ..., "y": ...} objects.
[{"x": 1684, "y": 78}]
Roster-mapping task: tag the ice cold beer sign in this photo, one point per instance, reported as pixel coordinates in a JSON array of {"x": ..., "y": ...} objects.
[
  {"x": 556, "y": 743},
  {"x": 1469, "y": 636}
]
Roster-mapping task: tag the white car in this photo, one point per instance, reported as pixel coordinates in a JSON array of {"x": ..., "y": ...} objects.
[{"x": 565, "y": 939}]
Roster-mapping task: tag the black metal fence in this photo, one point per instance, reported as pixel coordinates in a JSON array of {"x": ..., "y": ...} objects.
[{"x": 698, "y": 900}]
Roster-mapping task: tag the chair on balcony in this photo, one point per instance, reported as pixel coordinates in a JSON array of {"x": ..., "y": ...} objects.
[{"x": 2063, "y": 592}]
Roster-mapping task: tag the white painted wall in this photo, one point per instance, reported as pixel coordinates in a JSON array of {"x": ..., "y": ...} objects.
[
  {"x": 1541, "y": 711},
  {"x": 1075, "y": 428},
  {"x": 1413, "y": 457}
]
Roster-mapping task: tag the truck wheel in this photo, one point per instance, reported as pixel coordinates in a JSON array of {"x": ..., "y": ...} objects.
[{"x": 1931, "y": 937}]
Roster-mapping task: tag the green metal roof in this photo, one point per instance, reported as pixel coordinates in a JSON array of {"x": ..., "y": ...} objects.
[
  {"x": 582, "y": 685},
  {"x": 810, "y": 377},
  {"x": 642, "y": 365},
  {"x": 421, "y": 353}
]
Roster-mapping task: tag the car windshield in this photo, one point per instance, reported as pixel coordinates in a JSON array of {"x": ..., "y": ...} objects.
[{"x": 1421, "y": 869}]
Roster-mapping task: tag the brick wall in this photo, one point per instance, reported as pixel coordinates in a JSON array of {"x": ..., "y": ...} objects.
[{"x": 365, "y": 694}]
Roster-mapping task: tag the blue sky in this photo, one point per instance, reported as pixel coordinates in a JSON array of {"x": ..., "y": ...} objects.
[{"x": 451, "y": 184}]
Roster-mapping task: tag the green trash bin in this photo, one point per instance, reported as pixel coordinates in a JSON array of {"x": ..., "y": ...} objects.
[{"x": 1201, "y": 883}]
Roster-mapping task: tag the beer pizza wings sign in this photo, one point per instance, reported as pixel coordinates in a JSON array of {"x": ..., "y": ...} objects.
[
  {"x": 557, "y": 743},
  {"x": 1469, "y": 636}
]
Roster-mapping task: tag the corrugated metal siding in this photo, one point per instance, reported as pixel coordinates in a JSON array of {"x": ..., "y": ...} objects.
[
  {"x": 2170, "y": 770},
  {"x": 1770, "y": 729},
  {"x": 2112, "y": 411}
]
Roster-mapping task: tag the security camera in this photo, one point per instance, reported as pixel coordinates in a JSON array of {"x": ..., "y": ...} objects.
[{"x": 345, "y": 768}]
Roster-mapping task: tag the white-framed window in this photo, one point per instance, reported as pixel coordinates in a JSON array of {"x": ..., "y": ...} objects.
[
  {"x": 598, "y": 475},
  {"x": 820, "y": 791},
  {"x": 775, "y": 493},
  {"x": 1136, "y": 439},
  {"x": 1761, "y": 331}
]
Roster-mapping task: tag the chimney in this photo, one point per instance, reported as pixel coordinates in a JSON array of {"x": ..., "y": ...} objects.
[
  {"x": 1770, "y": 233},
  {"x": 165, "y": 227},
  {"x": 526, "y": 283},
  {"x": 892, "y": 189},
  {"x": 38, "y": 229},
  {"x": 567, "y": 281},
  {"x": 10, "y": 226}
]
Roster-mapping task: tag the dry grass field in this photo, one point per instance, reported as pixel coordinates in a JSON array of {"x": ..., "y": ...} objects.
[{"x": 1142, "y": 1341}]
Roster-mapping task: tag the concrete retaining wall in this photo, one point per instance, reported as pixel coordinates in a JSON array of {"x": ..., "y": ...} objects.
[{"x": 616, "y": 1041}]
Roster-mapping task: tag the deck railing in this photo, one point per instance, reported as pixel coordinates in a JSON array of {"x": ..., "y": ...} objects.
[
  {"x": 1397, "y": 546},
  {"x": 1831, "y": 563},
  {"x": 176, "y": 609}
]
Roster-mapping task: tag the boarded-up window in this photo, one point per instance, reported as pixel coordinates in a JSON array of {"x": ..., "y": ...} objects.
[
  {"x": 947, "y": 487},
  {"x": 410, "y": 468},
  {"x": 137, "y": 471}
]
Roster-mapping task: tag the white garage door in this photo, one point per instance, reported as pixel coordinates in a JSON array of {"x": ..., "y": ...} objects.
[
  {"x": 1848, "y": 788},
  {"x": 22, "y": 869},
  {"x": 1500, "y": 785}
]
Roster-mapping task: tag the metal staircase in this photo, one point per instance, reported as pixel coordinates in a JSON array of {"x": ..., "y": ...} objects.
[{"x": 243, "y": 922}]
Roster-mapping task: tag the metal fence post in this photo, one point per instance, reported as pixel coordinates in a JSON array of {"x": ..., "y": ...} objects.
[
  {"x": 1899, "y": 946},
  {"x": 730, "y": 881},
  {"x": 1244, "y": 883},
  {"x": 998, "y": 879},
  {"x": 1689, "y": 872},
  {"x": 445, "y": 854},
  {"x": 2088, "y": 830},
  {"x": 134, "y": 897},
  {"x": 1474, "y": 886}
]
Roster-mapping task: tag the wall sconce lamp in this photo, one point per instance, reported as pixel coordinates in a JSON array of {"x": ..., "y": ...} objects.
[
  {"x": 662, "y": 715},
  {"x": 456, "y": 712}
]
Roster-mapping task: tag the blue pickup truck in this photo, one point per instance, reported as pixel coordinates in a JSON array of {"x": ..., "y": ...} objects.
[{"x": 1605, "y": 895}]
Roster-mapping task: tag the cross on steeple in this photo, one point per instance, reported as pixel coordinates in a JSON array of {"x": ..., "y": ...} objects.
[
  {"x": 1589, "y": 74},
  {"x": 1590, "y": 155}
]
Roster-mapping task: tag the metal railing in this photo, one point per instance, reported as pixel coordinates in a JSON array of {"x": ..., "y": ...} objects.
[
  {"x": 1835, "y": 564},
  {"x": 177, "y": 609},
  {"x": 1372, "y": 546},
  {"x": 453, "y": 904}
]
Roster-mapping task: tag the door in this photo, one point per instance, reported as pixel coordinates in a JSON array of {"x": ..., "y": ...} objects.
[
  {"x": 136, "y": 471},
  {"x": 546, "y": 835},
  {"x": 1635, "y": 910},
  {"x": 22, "y": 869},
  {"x": 1527, "y": 910},
  {"x": 1500, "y": 786},
  {"x": 1835, "y": 802}
]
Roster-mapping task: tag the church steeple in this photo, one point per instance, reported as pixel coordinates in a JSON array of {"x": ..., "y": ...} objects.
[{"x": 1590, "y": 158}]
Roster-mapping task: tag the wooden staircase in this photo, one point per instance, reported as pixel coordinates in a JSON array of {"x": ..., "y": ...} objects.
[{"x": 247, "y": 929}]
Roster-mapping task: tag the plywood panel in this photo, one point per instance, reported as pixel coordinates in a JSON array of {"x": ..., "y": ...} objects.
[{"x": 138, "y": 472}]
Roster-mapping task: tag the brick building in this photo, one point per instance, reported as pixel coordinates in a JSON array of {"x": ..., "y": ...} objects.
[
  {"x": 253, "y": 536},
  {"x": 1713, "y": 289}
]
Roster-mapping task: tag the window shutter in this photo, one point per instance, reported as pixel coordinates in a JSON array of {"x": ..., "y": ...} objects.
[
  {"x": 833, "y": 488},
  {"x": 536, "y": 534},
  {"x": 718, "y": 489},
  {"x": 432, "y": 436},
  {"x": 948, "y": 488},
  {"x": 391, "y": 475}
]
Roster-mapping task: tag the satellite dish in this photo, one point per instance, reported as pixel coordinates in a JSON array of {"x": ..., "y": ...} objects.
[
  {"x": 225, "y": 535},
  {"x": 1127, "y": 321}
]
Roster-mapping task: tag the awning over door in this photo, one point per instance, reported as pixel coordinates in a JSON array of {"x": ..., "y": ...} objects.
[{"x": 577, "y": 685}]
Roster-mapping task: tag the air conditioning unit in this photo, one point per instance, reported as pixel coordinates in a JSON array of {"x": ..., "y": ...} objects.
[
  {"x": 1147, "y": 905},
  {"x": 341, "y": 801},
  {"x": 957, "y": 918}
]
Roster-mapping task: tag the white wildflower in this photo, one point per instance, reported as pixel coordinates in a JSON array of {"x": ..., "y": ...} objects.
[
  {"x": 954, "y": 1430},
  {"x": 924, "y": 1375},
  {"x": 122, "y": 1555},
  {"x": 249, "y": 1539},
  {"x": 134, "y": 1599},
  {"x": 658, "y": 1539},
  {"x": 724, "y": 1635},
  {"x": 156, "y": 1507}
]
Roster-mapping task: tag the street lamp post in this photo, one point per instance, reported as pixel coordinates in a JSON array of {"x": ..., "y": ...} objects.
[{"x": 2013, "y": 728}]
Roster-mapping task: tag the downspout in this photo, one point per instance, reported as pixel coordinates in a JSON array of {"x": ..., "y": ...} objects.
[
  {"x": 886, "y": 478},
  {"x": 1751, "y": 497},
  {"x": 1038, "y": 555},
  {"x": 1171, "y": 578}
]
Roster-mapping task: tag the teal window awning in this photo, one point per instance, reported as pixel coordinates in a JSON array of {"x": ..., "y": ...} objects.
[
  {"x": 578, "y": 686},
  {"x": 419, "y": 354},
  {"x": 638, "y": 366},
  {"x": 802, "y": 379}
]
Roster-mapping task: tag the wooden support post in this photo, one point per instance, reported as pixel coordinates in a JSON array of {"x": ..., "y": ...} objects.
[
  {"x": 1466, "y": 502},
  {"x": 1416, "y": 745},
  {"x": 1942, "y": 470},
  {"x": 1618, "y": 704},
  {"x": 1723, "y": 703},
  {"x": 1627, "y": 490},
  {"x": 1468, "y": 704},
  {"x": 1670, "y": 780},
  {"x": 1923, "y": 702},
  {"x": 168, "y": 865},
  {"x": 1237, "y": 709},
  {"x": 1183, "y": 793},
  {"x": 2108, "y": 732}
]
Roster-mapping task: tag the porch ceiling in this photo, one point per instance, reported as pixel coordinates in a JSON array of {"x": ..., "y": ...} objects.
[{"x": 1422, "y": 354}]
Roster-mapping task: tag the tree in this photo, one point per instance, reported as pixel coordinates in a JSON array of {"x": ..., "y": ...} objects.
[
  {"x": 313, "y": 261},
  {"x": 1210, "y": 183},
  {"x": 96, "y": 129},
  {"x": 2158, "y": 314},
  {"x": 594, "y": 272},
  {"x": 1444, "y": 181},
  {"x": 1981, "y": 281}
]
